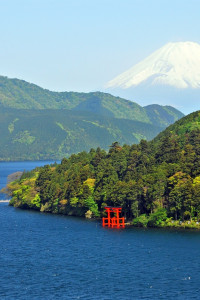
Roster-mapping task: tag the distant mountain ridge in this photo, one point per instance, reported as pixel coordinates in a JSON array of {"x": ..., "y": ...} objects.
[
  {"x": 19, "y": 94},
  {"x": 54, "y": 134},
  {"x": 39, "y": 124},
  {"x": 162, "y": 115}
]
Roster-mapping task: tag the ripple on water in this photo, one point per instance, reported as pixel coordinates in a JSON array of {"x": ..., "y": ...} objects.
[{"x": 44, "y": 256}]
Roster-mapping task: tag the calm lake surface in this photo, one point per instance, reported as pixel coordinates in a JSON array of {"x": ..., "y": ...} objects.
[{"x": 44, "y": 256}]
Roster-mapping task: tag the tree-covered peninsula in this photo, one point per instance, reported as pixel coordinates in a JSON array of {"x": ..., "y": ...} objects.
[{"x": 157, "y": 183}]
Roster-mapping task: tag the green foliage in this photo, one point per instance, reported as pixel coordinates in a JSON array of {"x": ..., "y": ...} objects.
[
  {"x": 92, "y": 206},
  {"x": 53, "y": 134},
  {"x": 15, "y": 93},
  {"x": 36, "y": 201},
  {"x": 157, "y": 218},
  {"x": 74, "y": 201},
  {"x": 140, "y": 221},
  {"x": 24, "y": 137},
  {"x": 39, "y": 124},
  {"x": 156, "y": 183},
  {"x": 11, "y": 126},
  {"x": 162, "y": 115}
]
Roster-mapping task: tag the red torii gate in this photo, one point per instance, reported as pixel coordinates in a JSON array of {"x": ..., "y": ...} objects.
[{"x": 114, "y": 221}]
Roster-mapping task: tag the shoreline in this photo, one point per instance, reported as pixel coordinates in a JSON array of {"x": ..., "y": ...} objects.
[{"x": 171, "y": 224}]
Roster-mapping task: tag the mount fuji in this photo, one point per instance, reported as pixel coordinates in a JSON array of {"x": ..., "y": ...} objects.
[{"x": 170, "y": 76}]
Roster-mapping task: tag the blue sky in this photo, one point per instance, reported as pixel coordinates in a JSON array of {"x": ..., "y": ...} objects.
[{"x": 79, "y": 45}]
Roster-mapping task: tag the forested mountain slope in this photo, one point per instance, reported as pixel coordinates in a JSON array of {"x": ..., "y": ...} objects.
[
  {"x": 39, "y": 124},
  {"x": 157, "y": 183},
  {"x": 162, "y": 115},
  {"x": 19, "y": 94},
  {"x": 53, "y": 134}
]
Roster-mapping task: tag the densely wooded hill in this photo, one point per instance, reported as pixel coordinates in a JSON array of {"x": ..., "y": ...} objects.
[
  {"x": 53, "y": 134},
  {"x": 15, "y": 93},
  {"x": 39, "y": 124},
  {"x": 157, "y": 183}
]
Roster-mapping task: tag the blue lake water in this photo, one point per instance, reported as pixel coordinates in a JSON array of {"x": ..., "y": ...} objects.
[{"x": 44, "y": 256}]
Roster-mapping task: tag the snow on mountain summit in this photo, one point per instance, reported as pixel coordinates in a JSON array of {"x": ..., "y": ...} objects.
[{"x": 175, "y": 64}]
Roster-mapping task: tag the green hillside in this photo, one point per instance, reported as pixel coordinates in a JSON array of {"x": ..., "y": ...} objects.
[
  {"x": 157, "y": 183},
  {"x": 53, "y": 134},
  {"x": 39, "y": 124},
  {"x": 181, "y": 129},
  {"x": 162, "y": 115},
  {"x": 19, "y": 94}
]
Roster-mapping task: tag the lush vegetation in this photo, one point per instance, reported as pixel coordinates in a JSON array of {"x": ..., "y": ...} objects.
[
  {"x": 39, "y": 124},
  {"x": 19, "y": 94},
  {"x": 53, "y": 134},
  {"x": 157, "y": 183}
]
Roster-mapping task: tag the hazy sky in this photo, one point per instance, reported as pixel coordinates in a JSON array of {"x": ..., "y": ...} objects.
[{"x": 79, "y": 45}]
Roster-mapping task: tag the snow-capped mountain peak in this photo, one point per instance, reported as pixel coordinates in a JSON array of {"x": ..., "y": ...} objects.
[{"x": 175, "y": 64}]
